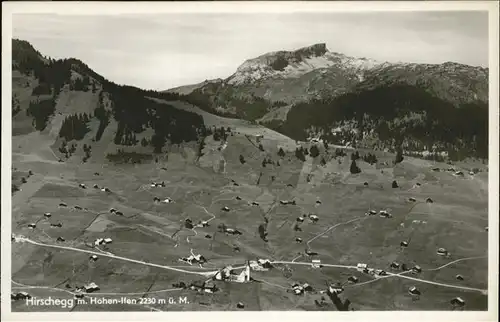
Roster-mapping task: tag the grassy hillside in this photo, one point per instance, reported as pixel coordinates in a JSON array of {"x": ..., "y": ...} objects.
[{"x": 71, "y": 103}]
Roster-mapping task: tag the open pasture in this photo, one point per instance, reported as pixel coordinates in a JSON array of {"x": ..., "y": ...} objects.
[{"x": 149, "y": 237}]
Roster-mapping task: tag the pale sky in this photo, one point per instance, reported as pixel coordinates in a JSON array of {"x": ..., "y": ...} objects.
[{"x": 163, "y": 51}]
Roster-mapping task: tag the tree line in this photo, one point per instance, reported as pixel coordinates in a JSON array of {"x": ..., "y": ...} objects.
[
  {"x": 74, "y": 127},
  {"x": 460, "y": 128}
]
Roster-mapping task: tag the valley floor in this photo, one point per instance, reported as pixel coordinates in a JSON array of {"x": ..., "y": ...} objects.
[{"x": 142, "y": 262}]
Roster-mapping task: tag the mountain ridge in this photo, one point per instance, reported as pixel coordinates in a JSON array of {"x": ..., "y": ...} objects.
[
  {"x": 73, "y": 106},
  {"x": 269, "y": 87}
]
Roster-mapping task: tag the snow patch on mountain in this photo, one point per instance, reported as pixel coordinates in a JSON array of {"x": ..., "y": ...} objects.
[{"x": 262, "y": 67}]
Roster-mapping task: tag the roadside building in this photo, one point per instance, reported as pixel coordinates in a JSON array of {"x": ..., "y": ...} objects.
[
  {"x": 297, "y": 289},
  {"x": 313, "y": 218},
  {"x": 47, "y": 215},
  {"x": 209, "y": 287},
  {"x": 416, "y": 269},
  {"x": 316, "y": 263},
  {"x": 361, "y": 266},
  {"x": 335, "y": 288},
  {"x": 32, "y": 226},
  {"x": 298, "y": 240},
  {"x": 384, "y": 214},
  {"x": 93, "y": 258},
  {"x": 91, "y": 287},
  {"x": 265, "y": 263},
  {"x": 307, "y": 287},
  {"x": 310, "y": 252},
  {"x": 395, "y": 265},
  {"x": 232, "y": 231},
  {"x": 459, "y": 277},
  {"x": 353, "y": 279},
  {"x": 442, "y": 252},
  {"x": 167, "y": 200},
  {"x": 20, "y": 296},
  {"x": 404, "y": 244},
  {"x": 60, "y": 239},
  {"x": 414, "y": 291},
  {"x": 457, "y": 301},
  {"x": 108, "y": 240}
]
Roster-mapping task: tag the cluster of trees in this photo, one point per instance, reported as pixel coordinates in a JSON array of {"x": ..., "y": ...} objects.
[
  {"x": 102, "y": 115},
  {"x": 340, "y": 153},
  {"x": 355, "y": 156},
  {"x": 87, "y": 150},
  {"x": 42, "y": 89},
  {"x": 464, "y": 126},
  {"x": 281, "y": 152},
  {"x": 134, "y": 112},
  {"x": 128, "y": 157},
  {"x": 279, "y": 104},
  {"x": 201, "y": 145},
  {"x": 51, "y": 74},
  {"x": 81, "y": 84},
  {"x": 74, "y": 127},
  {"x": 249, "y": 108},
  {"x": 301, "y": 153},
  {"x": 41, "y": 110},
  {"x": 370, "y": 158},
  {"x": 125, "y": 136},
  {"x": 219, "y": 134},
  {"x": 354, "y": 167},
  {"x": 16, "y": 106},
  {"x": 266, "y": 161},
  {"x": 314, "y": 151},
  {"x": 67, "y": 151},
  {"x": 399, "y": 155}
]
